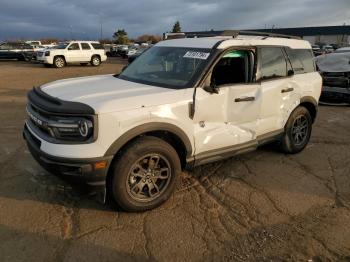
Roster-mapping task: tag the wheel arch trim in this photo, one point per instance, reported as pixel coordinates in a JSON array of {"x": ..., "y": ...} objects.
[
  {"x": 150, "y": 127},
  {"x": 310, "y": 100}
]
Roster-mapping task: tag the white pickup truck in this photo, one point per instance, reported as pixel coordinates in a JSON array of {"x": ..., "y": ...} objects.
[{"x": 83, "y": 52}]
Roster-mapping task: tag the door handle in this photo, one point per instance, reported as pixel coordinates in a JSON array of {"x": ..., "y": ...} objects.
[
  {"x": 286, "y": 90},
  {"x": 245, "y": 99}
]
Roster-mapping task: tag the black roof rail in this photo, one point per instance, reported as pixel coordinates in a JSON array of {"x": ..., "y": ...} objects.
[{"x": 235, "y": 33}]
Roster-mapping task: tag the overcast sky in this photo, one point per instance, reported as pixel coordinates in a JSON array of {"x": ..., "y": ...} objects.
[{"x": 81, "y": 19}]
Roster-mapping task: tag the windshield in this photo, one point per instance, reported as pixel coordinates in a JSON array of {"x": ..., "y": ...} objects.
[
  {"x": 61, "y": 46},
  {"x": 172, "y": 67}
]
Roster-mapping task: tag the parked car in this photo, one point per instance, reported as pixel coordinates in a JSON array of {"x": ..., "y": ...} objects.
[
  {"x": 316, "y": 50},
  {"x": 327, "y": 49},
  {"x": 183, "y": 103},
  {"x": 342, "y": 50},
  {"x": 15, "y": 50},
  {"x": 136, "y": 54},
  {"x": 38, "y": 43},
  {"x": 335, "y": 71},
  {"x": 82, "y": 52}
]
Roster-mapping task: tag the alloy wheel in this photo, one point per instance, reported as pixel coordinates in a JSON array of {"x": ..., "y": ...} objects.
[
  {"x": 148, "y": 177},
  {"x": 300, "y": 129}
]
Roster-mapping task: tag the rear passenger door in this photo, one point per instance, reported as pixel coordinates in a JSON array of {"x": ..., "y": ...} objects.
[
  {"x": 277, "y": 89},
  {"x": 86, "y": 52}
]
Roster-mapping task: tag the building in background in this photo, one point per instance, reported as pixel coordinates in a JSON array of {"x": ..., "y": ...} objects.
[{"x": 321, "y": 35}]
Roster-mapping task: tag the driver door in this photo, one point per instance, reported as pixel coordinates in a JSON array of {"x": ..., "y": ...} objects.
[
  {"x": 227, "y": 120},
  {"x": 73, "y": 53}
]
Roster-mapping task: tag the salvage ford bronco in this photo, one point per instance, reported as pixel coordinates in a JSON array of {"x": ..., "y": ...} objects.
[{"x": 182, "y": 103}]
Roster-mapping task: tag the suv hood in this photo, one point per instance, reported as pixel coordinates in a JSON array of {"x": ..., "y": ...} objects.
[
  {"x": 106, "y": 93},
  {"x": 334, "y": 62}
]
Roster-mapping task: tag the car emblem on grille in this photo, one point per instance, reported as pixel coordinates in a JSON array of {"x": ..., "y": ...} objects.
[{"x": 83, "y": 128}]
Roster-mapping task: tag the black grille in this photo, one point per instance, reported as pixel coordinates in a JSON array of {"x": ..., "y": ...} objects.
[{"x": 337, "y": 79}]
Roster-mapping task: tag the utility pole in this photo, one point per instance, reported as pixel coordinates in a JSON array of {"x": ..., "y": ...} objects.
[{"x": 101, "y": 27}]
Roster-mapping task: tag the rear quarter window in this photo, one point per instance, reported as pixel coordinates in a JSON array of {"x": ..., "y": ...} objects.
[
  {"x": 273, "y": 63},
  {"x": 302, "y": 60},
  {"x": 97, "y": 46}
]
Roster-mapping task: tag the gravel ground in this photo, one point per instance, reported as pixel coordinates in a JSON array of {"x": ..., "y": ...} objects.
[{"x": 261, "y": 206}]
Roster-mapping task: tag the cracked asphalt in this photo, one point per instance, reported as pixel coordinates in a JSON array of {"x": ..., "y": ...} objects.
[{"x": 261, "y": 206}]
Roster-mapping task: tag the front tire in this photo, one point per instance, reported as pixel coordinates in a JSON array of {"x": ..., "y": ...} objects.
[
  {"x": 143, "y": 177},
  {"x": 59, "y": 62},
  {"x": 297, "y": 131}
]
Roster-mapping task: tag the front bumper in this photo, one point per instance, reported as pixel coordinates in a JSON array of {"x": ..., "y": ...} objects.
[
  {"x": 44, "y": 59},
  {"x": 332, "y": 94},
  {"x": 92, "y": 171}
]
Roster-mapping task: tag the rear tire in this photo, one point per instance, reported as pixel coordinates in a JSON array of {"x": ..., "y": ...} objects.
[
  {"x": 297, "y": 131},
  {"x": 95, "y": 60},
  {"x": 143, "y": 177},
  {"x": 59, "y": 62}
]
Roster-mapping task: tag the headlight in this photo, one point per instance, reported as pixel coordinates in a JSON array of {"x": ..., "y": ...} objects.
[
  {"x": 47, "y": 53},
  {"x": 75, "y": 129}
]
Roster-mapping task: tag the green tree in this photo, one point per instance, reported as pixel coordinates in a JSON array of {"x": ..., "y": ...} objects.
[
  {"x": 176, "y": 27},
  {"x": 121, "y": 37}
]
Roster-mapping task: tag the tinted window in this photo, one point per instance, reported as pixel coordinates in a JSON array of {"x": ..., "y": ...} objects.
[
  {"x": 273, "y": 63},
  {"x": 74, "y": 46},
  {"x": 302, "y": 60},
  {"x": 232, "y": 68},
  {"x": 85, "y": 46},
  {"x": 97, "y": 46}
]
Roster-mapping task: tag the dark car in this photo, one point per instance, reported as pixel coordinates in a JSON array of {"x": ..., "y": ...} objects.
[
  {"x": 19, "y": 51},
  {"x": 335, "y": 71}
]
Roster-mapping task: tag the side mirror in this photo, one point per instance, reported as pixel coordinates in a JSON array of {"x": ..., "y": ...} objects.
[
  {"x": 290, "y": 72},
  {"x": 212, "y": 89}
]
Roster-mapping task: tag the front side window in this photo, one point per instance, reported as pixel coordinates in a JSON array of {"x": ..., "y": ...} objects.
[
  {"x": 234, "y": 67},
  {"x": 272, "y": 63},
  {"x": 85, "y": 46},
  {"x": 74, "y": 46},
  {"x": 302, "y": 60},
  {"x": 171, "y": 67}
]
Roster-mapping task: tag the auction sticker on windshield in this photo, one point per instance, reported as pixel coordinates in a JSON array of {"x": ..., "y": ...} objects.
[{"x": 197, "y": 55}]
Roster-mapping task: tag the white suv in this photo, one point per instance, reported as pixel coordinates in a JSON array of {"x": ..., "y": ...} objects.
[
  {"x": 182, "y": 103},
  {"x": 82, "y": 52}
]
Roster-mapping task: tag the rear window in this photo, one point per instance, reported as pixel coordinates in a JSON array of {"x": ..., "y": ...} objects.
[
  {"x": 302, "y": 60},
  {"x": 273, "y": 63},
  {"x": 97, "y": 46}
]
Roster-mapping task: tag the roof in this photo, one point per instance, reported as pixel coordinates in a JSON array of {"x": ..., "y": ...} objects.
[{"x": 226, "y": 41}]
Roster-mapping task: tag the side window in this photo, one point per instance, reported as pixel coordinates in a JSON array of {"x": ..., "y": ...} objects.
[
  {"x": 4, "y": 47},
  {"x": 273, "y": 63},
  {"x": 233, "y": 68},
  {"x": 85, "y": 46},
  {"x": 302, "y": 60},
  {"x": 97, "y": 46},
  {"x": 74, "y": 46}
]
